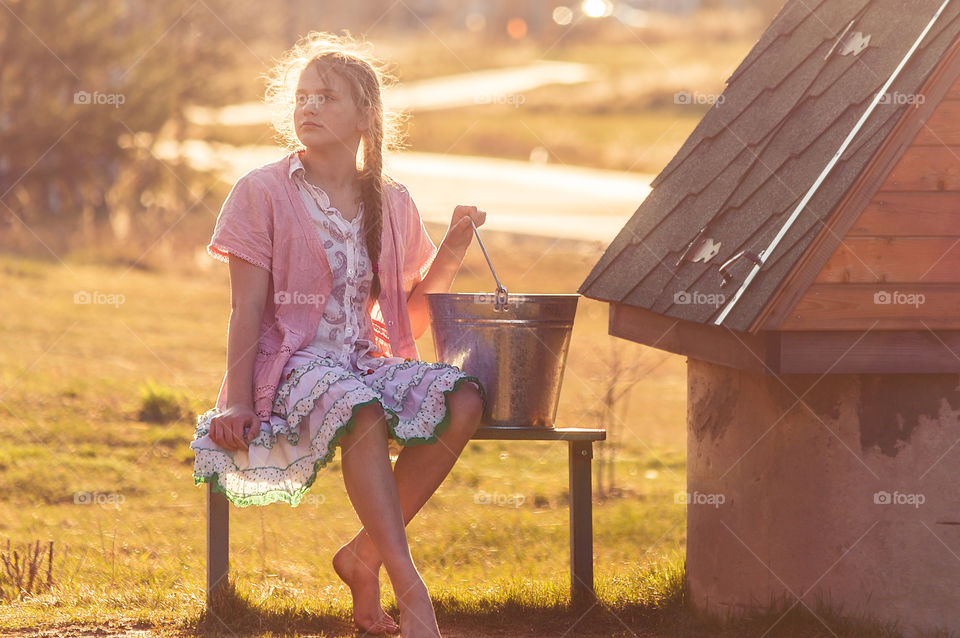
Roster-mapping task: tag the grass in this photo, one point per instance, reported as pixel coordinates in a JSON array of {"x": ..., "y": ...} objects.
[
  {"x": 160, "y": 404},
  {"x": 77, "y": 380},
  {"x": 114, "y": 491}
]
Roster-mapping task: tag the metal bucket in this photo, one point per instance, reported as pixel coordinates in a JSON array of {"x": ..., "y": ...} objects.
[
  {"x": 516, "y": 345},
  {"x": 518, "y": 353}
]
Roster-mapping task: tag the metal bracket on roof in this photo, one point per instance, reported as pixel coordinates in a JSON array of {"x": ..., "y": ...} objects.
[
  {"x": 706, "y": 251},
  {"x": 701, "y": 249},
  {"x": 749, "y": 254},
  {"x": 853, "y": 43}
]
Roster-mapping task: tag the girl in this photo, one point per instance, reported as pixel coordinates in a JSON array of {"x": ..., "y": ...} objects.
[{"x": 329, "y": 264}]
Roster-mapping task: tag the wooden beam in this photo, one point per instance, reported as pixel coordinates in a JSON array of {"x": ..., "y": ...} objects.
[
  {"x": 904, "y": 260},
  {"x": 943, "y": 129},
  {"x": 716, "y": 344},
  {"x": 907, "y": 214},
  {"x": 884, "y": 306},
  {"x": 873, "y": 352},
  {"x": 925, "y": 168},
  {"x": 865, "y": 351},
  {"x": 537, "y": 433}
]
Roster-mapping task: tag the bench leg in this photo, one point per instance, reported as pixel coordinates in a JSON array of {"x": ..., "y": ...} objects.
[
  {"x": 581, "y": 523},
  {"x": 218, "y": 543}
]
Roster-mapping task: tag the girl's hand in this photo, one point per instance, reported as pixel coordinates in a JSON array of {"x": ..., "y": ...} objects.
[
  {"x": 226, "y": 429},
  {"x": 460, "y": 233}
]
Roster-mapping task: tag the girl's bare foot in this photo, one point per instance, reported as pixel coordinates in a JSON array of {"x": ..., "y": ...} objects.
[
  {"x": 417, "y": 617},
  {"x": 364, "y": 584}
]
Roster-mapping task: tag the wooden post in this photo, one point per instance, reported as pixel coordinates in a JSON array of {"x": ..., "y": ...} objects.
[
  {"x": 581, "y": 523},
  {"x": 218, "y": 544}
]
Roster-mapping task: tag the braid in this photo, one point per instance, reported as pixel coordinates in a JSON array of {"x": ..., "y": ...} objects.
[{"x": 371, "y": 185}]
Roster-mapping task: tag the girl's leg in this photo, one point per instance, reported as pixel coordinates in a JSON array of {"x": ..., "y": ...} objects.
[
  {"x": 418, "y": 472},
  {"x": 373, "y": 492}
]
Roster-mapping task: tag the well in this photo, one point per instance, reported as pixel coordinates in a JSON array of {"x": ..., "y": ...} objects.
[
  {"x": 840, "y": 486},
  {"x": 802, "y": 249}
]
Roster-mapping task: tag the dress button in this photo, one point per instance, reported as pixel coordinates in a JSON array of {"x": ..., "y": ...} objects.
[
  {"x": 389, "y": 323},
  {"x": 349, "y": 271},
  {"x": 349, "y": 331}
]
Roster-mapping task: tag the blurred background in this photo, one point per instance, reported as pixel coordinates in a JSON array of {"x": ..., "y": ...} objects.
[
  {"x": 113, "y": 114},
  {"x": 123, "y": 125}
]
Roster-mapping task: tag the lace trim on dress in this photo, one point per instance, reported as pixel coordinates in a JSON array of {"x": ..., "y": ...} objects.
[
  {"x": 418, "y": 430},
  {"x": 293, "y": 377},
  {"x": 289, "y": 484},
  {"x": 401, "y": 390}
]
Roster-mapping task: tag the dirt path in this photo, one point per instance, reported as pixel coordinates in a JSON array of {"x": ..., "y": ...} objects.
[
  {"x": 520, "y": 197},
  {"x": 444, "y": 92}
]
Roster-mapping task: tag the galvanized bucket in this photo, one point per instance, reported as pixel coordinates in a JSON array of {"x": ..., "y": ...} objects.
[
  {"x": 516, "y": 345},
  {"x": 518, "y": 353}
]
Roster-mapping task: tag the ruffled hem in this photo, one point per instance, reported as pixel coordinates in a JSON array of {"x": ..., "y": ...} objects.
[
  {"x": 440, "y": 427},
  {"x": 291, "y": 419},
  {"x": 294, "y": 497}
]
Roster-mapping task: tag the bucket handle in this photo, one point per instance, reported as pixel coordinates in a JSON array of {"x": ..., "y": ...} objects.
[{"x": 501, "y": 296}]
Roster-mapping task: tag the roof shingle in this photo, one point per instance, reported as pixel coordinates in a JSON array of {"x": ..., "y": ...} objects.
[{"x": 755, "y": 153}]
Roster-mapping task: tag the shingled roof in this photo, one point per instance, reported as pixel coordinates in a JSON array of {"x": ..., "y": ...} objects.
[{"x": 783, "y": 115}]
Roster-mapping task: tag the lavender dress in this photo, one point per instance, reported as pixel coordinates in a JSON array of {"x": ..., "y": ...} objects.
[{"x": 327, "y": 381}]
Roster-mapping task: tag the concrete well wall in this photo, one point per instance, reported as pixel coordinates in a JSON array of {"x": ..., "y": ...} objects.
[{"x": 841, "y": 486}]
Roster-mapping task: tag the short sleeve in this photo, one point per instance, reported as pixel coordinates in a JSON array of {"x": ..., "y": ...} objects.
[
  {"x": 419, "y": 251},
  {"x": 244, "y": 226}
]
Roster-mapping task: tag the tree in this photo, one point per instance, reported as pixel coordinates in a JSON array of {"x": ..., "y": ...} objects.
[
  {"x": 88, "y": 86},
  {"x": 622, "y": 368}
]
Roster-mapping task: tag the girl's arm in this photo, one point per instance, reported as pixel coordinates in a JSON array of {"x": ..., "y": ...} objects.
[
  {"x": 438, "y": 279},
  {"x": 444, "y": 267},
  {"x": 248, "y": 296}
]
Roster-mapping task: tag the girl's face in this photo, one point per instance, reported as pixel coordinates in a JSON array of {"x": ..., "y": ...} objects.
[{"x": 325, "y": 113}]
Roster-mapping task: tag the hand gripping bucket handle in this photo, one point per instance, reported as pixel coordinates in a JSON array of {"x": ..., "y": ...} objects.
[{"x": 500, "y": 296}]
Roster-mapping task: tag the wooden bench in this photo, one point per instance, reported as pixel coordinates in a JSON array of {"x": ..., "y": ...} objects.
[{"x": 580, "y": 459}]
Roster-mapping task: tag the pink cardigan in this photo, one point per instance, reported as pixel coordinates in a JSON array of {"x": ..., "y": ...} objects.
[{"x": 265, "y": 222}]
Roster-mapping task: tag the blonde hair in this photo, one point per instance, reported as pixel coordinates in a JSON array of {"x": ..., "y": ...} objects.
[{"x": 366, "y": 75}]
